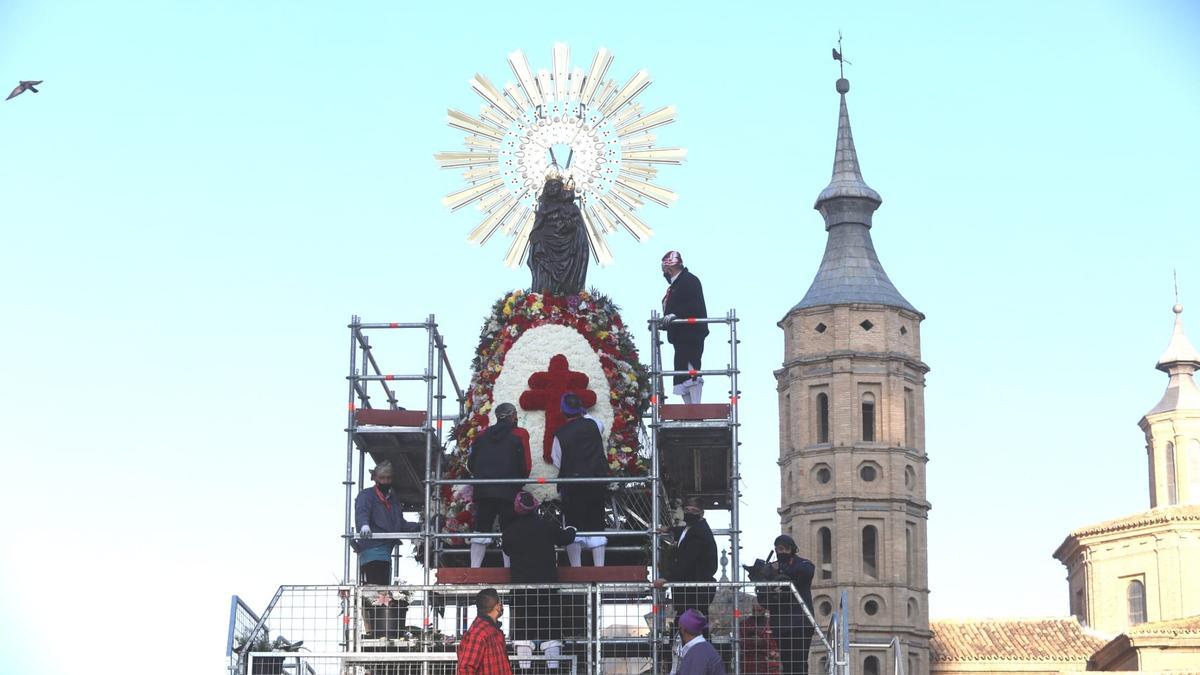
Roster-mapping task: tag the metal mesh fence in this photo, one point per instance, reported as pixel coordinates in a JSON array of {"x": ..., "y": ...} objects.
[{"x": 587, "y": 628}]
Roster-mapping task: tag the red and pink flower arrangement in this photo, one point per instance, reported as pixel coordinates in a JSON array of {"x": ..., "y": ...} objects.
[{"x": 597, "y": 319}]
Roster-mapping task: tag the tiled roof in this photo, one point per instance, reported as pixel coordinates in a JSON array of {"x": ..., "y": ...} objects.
[
  {"x": 1186, "y": 626},
  {"x": 1162, "y": 514},
  {"x": 1049, "y": 639}
]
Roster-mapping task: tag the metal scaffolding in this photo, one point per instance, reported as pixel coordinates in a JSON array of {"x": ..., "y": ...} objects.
[
  {"x": 619, "y": 626},
  {"x": 413, "y": 440}
]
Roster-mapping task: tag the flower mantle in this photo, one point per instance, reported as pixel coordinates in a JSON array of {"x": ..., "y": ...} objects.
[{"x": 523, "y": 334}]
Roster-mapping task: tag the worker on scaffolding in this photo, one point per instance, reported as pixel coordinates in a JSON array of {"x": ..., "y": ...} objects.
[
  {"x": 530, "y": 540},
  {"x": 695, "y": 559},
  {"x": 684, "y": 300},
  {"x": 500, "y": 452},
  {"x": 377, "y": 512},
  {"x": 578, "y": 452},
  {"x": 790, "y": 623}
]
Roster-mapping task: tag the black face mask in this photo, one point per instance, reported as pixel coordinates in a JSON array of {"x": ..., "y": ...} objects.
[
  {"x": 692, "y": 518},
  {"x": 385, "y": 489},
  {"x": 667, "y": 277}
]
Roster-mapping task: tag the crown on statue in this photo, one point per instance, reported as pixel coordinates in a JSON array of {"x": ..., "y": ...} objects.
[{"x": 553, "y": 174}]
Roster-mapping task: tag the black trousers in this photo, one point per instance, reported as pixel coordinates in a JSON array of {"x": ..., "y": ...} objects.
[
  {"x": 488, "y": 509},
  {"x": 537, "y": 614},
  {"x": 583, "y": 507},
  {"x": 793, "y": 640},
  {"x": 685, "y": 353}
]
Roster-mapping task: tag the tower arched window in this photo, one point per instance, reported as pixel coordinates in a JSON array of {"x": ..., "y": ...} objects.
[
  {"x": 870, "y": 551},
  {"x": 1192, "y": 462},
  {"x": 825, "y": 552},
  {"x": 822, "y": 418},
  {"x": 910, "y": 557},
  {"x": 910, "y": 419},
  {"x": 1135, "y": 593},
  {"x": 868, "y": 416},
  {"x": 787, "y": 420},
  {"x": 1172, "y": 488},
  {"x": 871, "y": 665}
]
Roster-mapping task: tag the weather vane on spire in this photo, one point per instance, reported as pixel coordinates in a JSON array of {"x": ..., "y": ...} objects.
[{"x": 837, "y": 56}]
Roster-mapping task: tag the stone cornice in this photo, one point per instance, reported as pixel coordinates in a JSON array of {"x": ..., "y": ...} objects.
[
  {"x": 823, "y": 309},
  {"x": 854, "y": 354},
  {"x": 1186, "y": 514}
]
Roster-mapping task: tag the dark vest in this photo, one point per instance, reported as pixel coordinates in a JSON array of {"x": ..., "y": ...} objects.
[
  {"x": 497, "y": 453},
  {"x": 582, "y": 453}
]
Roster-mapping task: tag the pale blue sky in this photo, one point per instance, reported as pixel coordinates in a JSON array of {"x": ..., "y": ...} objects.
[{"x": 204, "y": 192}]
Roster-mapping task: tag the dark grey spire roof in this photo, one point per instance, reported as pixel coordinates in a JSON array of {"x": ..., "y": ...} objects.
[{"x": 850, "y": 272}]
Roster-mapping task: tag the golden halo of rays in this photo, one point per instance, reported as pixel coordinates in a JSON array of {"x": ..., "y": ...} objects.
[{"x": 509, "y": 141}]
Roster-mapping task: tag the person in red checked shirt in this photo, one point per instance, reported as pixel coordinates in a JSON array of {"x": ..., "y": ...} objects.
[
  {"x": 482, "y": 650},
  {"x": 501, "y": 451}
]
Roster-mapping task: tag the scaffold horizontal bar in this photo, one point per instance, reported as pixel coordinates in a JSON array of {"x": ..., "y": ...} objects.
[
  {"x": 401, "y": 536},
  {"x": 697, "y": 373},
  {"x": 696, "y": 320},
  {"x": 377, "y": 326},
  {"x": 388, "y": 378},
  {"x": 697, "y": 424}
]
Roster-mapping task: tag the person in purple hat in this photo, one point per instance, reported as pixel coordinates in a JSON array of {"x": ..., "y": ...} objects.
[
  {"x": 699, "y": 656},
  {"x": 578, "y": 452},
  {"x": 529, "y": 540}
]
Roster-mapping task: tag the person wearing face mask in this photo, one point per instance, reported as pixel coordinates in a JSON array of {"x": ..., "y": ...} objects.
[
  {"x": 376, "y": 511},
  {"x": 695, "y": 559},
  {"x": 684, "y": 300},
  {"x": 482, "y": 650},
  {"x": 789, "y": 623}
]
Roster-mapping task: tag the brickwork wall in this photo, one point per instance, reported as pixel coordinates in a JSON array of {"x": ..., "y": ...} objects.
[{"x": 846, "y": 483}]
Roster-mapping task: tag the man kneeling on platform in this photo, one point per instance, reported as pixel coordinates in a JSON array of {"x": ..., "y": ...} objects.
[
  {"x": 501, "y": 451},
  {"x": 578, "y": 452},
  {"x": 529, "y": 539}
]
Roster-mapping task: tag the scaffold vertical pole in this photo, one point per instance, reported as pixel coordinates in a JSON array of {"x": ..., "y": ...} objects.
[
  {"x": 348, "y": 531},
  {"x": 735, "y": 485},
  {"x": 426, "y": 527},
  {"x": 655, "y": 468}
]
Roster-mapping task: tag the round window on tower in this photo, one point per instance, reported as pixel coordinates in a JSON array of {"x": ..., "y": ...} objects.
[
  {"x": 872, "y": 604},
  {"x": 823, "y": 473},
  {"x": 868, "y": 471},
  {"x": 824, "y": 606}
]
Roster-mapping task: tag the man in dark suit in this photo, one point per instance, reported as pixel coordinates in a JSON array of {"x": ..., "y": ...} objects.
[
  {"x": 529, "y": 539},
  {"x": 695, "y": 560},
  {"x": 684, "y": 300},
  {"x": 578, "y": 452}
]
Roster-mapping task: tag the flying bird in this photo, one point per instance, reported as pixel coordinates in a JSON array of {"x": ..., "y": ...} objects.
[{"x": 25, "y": 85}]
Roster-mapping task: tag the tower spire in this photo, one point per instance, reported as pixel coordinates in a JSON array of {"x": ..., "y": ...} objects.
[
  {"x": 850, "y": 271},
  {"x": 1180, "y": 361}
]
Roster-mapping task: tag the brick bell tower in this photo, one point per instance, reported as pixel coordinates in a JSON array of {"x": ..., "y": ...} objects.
[{"x": 852, "y": 433}]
